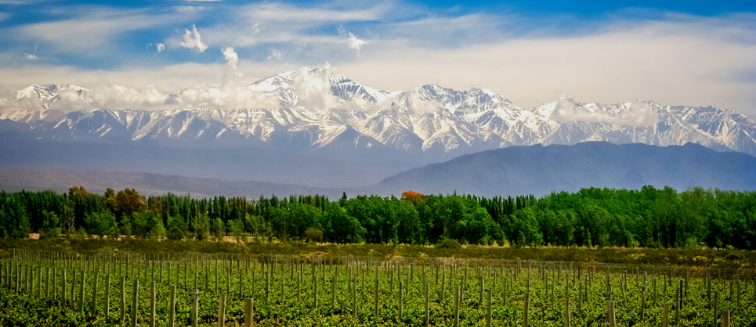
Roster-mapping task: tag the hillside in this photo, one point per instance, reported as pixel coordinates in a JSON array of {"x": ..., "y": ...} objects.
[{"x": 539, "y": 170}]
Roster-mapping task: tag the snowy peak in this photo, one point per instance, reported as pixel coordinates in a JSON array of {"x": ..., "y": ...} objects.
[
  {"x": 48, "y": 92},
  {"x": 291, "y": 87},
  {"x": 43, "y": 96},
  {"x": 34, "y": 91},
  {"x": 319, "y": 108}
]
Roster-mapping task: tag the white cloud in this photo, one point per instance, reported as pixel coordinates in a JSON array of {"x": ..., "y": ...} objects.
[
  {"x": 103, "y": 94},
  {"x": 188, "y": 8},
  {"x": 696, "y": 62},
  {"x": 283, "y": 12},
  {"x": 353, "y": 41},
  {"x": 160, "y": 47},
  {"x": 231, "y": 57},
  {"x": 192, "y": 39},
  {"x": 3, "y": 16},
  {"x": 167, "y": 79},
  {"x": 418, "y": 104},
  {"x": 451, "y": 32},
  {"x": 30, "y": 56},
  {"x": 92, "y": 30},
  {"x": 675, "y": 59},
  {"x": 636, "y": 113},
  {"x": 274, "y": 55},
  {"x": 280, "y": 23}
]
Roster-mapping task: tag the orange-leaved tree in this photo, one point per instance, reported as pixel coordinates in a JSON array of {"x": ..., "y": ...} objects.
[{"x": 412, "y": 196}]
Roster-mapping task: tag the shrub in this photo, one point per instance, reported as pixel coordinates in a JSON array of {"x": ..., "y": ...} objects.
[
  {"x": 126, "y": 230},
  {"x": 449, "y": 244},
  {"x": 314, "y": 235},
  {"x": 158, "y": 230},
  {"x": 50, "y": 233},
  {"x": 113, "y": 233},
  {"x": 691, "y": 243},
  {"x": 175, "y": 233},
  {"x": 80, "y": 234}
]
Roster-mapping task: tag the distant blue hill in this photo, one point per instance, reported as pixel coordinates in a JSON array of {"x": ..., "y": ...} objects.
[{"x": 540, "y": 170}]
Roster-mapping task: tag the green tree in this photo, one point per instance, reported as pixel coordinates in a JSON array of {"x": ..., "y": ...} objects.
[
  {"x": 219, "y": 229},
  {"x": 99, "y": 223},
  {"x": 340, "y": 227},
  {"x": 201, "y": 226},
  {"x": 236, "y": 229},
  {"x": 50, "y": 225}
]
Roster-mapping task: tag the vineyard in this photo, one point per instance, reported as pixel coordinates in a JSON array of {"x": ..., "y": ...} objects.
[{"x": 57, "y": 289}]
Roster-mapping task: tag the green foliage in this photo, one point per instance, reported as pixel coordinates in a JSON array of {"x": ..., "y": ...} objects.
[
  {"x": 146, "y": 223},
  {"x": 158, "y": 230},
  {"x": 80, "y": 234},
  {"x": 236, "y": 229},
  {"x": 100, "y": 222},
  {"x": 219, "y": 229},
  {"x": 340, "y": 227},
  {"x": 201, "y": 226},
  {"x": 314, "y": 235},
  {"x": 113, "y": 233},
  {"x": 648, "y": 217},
  {"x": 50, "y": 223},
  {"x": 14, "y": 221},
  {"x": 126, "y": 228},
  {"x": 175, "y": 233}
]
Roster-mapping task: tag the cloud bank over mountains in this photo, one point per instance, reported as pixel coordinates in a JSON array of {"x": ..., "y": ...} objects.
[{"x": 637, "y": 113}]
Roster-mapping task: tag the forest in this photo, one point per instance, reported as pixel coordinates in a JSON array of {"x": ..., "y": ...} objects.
[{"x": 592, "y": 217}]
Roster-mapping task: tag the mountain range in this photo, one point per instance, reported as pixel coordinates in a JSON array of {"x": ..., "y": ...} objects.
[
  {"x": 319, "y": 129},
  {"x": 319, "y": 110}
]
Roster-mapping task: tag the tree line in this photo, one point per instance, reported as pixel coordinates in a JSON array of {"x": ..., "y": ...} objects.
[{"x": 649, "y": 217}]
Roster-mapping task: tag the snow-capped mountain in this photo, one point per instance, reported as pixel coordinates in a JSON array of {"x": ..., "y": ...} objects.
[{"x": 314, "y": 109}]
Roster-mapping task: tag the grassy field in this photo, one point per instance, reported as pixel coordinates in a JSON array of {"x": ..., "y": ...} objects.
[{"x": 709, "y": 258}]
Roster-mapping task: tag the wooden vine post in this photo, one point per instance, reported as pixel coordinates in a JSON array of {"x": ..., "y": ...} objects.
[
  {"x": 172, "y": 307},
  {"x": 134, "y": 303},
  {"x": 248, "y": 306},
  {"x": 222, "y": 310},
  {"x": 195, "y": 308}
]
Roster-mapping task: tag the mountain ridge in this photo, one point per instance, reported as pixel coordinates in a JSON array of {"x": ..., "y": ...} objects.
[{"x": 307, "y": 109}]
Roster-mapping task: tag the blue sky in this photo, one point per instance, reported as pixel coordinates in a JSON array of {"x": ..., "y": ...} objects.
[{"x": 674, "y": 52}]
